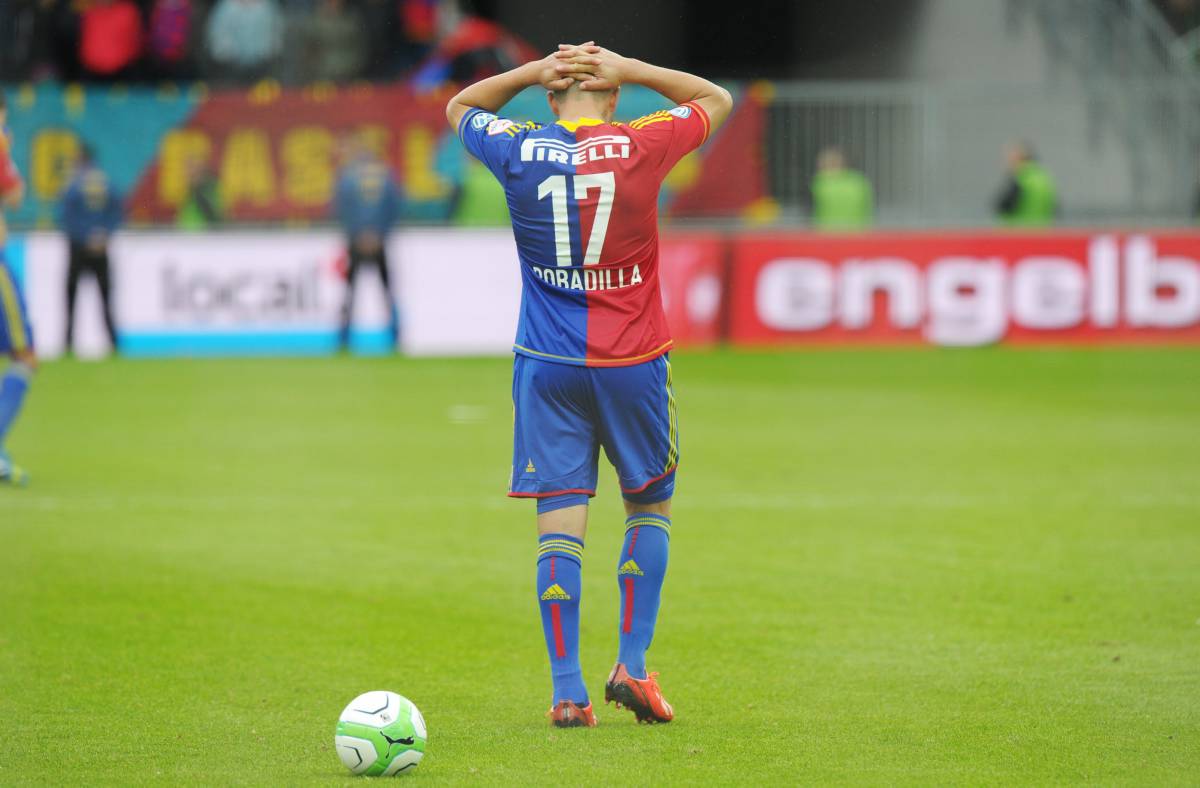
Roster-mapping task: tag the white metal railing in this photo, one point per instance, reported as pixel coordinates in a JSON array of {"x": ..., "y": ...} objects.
[
  {"x": 1120, "y": 151},
  {"x": 1116, "y": 121}
]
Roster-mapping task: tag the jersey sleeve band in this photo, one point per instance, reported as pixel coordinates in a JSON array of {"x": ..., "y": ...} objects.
[
  {"x": 703, "y": 117},
  {"x": 462, "y": 124}
]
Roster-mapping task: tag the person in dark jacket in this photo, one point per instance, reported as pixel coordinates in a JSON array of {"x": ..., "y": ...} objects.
[
  {"x": 367, "y": 204},
  {"x": 91, "y": 212}
]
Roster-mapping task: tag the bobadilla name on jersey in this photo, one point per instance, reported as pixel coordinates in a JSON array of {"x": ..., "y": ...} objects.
[{"x": 590, "y": 278}]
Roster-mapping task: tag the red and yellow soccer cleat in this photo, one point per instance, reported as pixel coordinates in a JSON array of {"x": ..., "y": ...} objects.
[
  {"x": 569, "y": 715},
  {"x": 641, "y": 696}
]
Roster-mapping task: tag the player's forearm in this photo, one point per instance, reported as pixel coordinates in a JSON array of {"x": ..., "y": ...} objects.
[
  {"x": 492, "y": 93},
  {"x": 680, "y": 87}
]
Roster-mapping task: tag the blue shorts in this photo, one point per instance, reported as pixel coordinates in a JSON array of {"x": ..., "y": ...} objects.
[
  {"x": 564, "y": 414},
  {"x": 15, "y": 334}
]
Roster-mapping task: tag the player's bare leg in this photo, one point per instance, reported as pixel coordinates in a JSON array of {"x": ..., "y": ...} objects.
[
  {"x": 641, "y": 569},
  {"x": 571, "y": 521},
  {"x": 559, "y": 582}
]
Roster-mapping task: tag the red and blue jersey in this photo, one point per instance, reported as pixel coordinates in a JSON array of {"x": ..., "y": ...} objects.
[{"x": 583, "y": 198}]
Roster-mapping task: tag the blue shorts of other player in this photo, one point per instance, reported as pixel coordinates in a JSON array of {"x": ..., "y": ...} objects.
[{"x": 16, "y": 342}]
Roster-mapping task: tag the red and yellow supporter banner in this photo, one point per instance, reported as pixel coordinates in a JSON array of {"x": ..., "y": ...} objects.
[
  {"x": 966, "y": 288},
  {"x": 275, "y": 152}
]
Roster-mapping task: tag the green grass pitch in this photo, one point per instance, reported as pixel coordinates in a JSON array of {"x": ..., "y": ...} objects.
[{"x": 886, "y": 567}]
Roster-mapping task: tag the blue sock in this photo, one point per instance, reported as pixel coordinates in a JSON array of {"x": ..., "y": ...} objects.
[
  {"x": 559, "y": 581},
  {"x": 640, "y": 572},
  {"x": 13, "y": 386}
]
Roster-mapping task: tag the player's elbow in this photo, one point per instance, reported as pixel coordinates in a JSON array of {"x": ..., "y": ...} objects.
[
  {"x": 724, "y": 100},
  {"x": 718, "y": 104},
  {"x": 455, "y": 110}
]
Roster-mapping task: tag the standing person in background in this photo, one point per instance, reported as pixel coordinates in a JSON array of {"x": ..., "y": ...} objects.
[
  {"x": 170, "y": 34},
  {"x": 16, "y": 338},
  {"x": 1029, "y": 197},
  {"x": 335, "y": 42},
  {"x": 367, "y": 204},
  {"x": 245, "y": 37},
  {"x": 842, "y": 198},
  {"x": 91, "y": 213},
  {"x": 112, "y": 39},
  {"x": 479, "y": 200},
  {"x": 202, "y": 207}
]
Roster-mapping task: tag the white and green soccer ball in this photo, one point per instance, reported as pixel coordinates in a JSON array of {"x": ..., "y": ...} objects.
[{"x": 380, "y": 734}]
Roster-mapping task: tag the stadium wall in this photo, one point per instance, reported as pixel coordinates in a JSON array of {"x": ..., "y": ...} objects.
[{"x": 458, "y": 291}]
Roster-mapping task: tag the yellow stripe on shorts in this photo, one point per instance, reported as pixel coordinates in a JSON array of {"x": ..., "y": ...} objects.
[
  {"x": 12, "y": 310},
  {"x": 673, "y": 421}
]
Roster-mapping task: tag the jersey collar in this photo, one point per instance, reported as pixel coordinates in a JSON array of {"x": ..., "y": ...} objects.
[{"x": 572, "y": 125}]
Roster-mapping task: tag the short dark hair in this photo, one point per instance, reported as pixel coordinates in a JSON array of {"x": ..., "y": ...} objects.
[
  {"x": 3, "y": 100},
  {"x": 561, "y": 95}
]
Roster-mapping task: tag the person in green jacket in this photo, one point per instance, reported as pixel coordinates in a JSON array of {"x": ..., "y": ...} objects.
[
  {"x": 201, "y": 208},
  {"x": 1029, "y": 197},
  {"x": 842, "y": 198},
  {"x": 480, "y": 200}
]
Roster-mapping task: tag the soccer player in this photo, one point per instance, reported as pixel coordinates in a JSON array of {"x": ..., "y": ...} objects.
[
  {"x": 16, "y": 339},
  {"x": 591, "y": 367}
]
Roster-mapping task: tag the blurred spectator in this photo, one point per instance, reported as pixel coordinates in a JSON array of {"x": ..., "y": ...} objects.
[
  {"x": 842, "y": 198},
  {"x": 1029, "y": 197},
  {"x": 111, "y": 39},
  {"x": 27, "y": 38},
  {"x": 171, "y": 30},
  {"x": 91, "y": 212},
  {"x": 202, "y": 207},
  {"x": 245, "y": 37},
  {"x": 335, "y": 43},
  {"x": 472, "y": 49},
  {"x": 367, "y": 203},
  {"x": 398, "y": 35}
]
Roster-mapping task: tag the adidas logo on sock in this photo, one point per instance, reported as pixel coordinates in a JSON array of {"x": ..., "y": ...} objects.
[
  {"x": 556, "y": 592},
  {"x": 630, "y": 567}
]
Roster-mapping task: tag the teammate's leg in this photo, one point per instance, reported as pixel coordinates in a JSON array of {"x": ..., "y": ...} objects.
[
  {"x": 16, "y": 341},
  {"x": 13, "y": 387},
  {"x": 389, "y": 298}
]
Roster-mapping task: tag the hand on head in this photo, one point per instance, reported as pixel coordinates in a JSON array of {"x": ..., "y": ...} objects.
[
  {"x": 555, "y": 73},
  {"x": 593, "y": 67}
]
